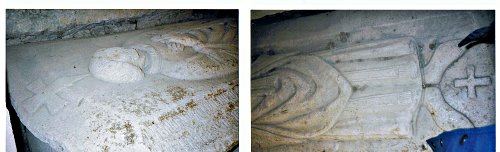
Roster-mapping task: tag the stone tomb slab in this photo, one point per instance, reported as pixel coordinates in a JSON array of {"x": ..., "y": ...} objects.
[
  {"x": 408, "y": 80},
  {"x": 66, "y": 106}
]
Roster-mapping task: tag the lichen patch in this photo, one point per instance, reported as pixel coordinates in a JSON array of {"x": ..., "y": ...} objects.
[
  {"x": 233, "y": 84},
  {"x": 231, "y": 106},
  {"x": 191, "y": 104},
  {"x": 177, "y": 93},
  {"x": 178, "y": 111},
  {"x": 215, "y": 94},
  {"x": 125, "y": 128}
]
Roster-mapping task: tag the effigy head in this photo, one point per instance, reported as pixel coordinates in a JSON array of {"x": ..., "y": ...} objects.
[
  {"x": 194, "y": 54},
  {"x": 118, "y": 65}
]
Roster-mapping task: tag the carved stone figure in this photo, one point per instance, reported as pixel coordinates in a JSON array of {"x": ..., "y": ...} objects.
[
  {"x": 171, "y": 88},
  {"x": 193, "y": 55},
  {"x": 372, "y": 87}
]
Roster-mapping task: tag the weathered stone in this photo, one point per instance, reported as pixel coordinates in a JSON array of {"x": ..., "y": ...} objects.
[
  {"x": 70, "y": 94},
  {"x": 27, "y": 26},
  {"x": 409, "y": 80}
]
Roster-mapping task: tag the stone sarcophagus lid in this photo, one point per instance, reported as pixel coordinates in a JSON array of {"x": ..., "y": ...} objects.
[
  {"x": 170, "y": 88},
  {"x": 375, "y": 86}
]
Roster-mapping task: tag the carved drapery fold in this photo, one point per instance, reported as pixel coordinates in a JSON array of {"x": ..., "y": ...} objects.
[
  {"x": 298, "y": 96},
  {"x": 194, "y": 54}
]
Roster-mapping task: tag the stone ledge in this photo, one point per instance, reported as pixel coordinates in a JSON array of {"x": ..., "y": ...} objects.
[{"x": 29, "y": 26}]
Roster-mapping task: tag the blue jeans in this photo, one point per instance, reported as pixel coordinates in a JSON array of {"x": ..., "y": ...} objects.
[{"x": 468, "y": 140}]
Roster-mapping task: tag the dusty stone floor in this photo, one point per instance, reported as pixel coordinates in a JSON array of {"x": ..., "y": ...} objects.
[{"x": 369, "y": 80}]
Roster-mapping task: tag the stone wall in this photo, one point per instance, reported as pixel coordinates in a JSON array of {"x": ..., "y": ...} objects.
[{"x": 27, "y": 26}]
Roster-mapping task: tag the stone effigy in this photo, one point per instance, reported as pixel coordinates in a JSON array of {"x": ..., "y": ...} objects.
[
  {"x": 170, "y": 88},
  {"x": 377, "y": 81},
  {"x": 192, "y": 55}
]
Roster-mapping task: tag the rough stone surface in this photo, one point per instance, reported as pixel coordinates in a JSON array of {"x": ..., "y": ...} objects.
[
  {"x": 256, "y": 14},
  {"x": 66, "y": 106},
  {"x": 409, "y": 80},
  {"x": 36, "y": 145},
  {"x": 28, "y": 26}
]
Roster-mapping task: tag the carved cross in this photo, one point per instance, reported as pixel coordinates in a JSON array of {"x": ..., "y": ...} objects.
[
  {"x": 471, "y": 82},
  {"x": 47, "y": 94}
]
